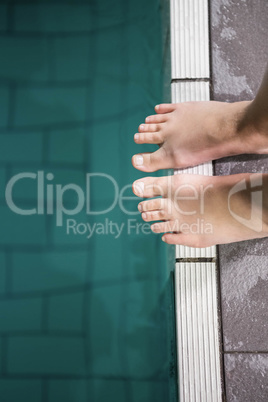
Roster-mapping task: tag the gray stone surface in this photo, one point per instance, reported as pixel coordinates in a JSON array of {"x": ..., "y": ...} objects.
[
  {"x": 239, "y": 56},
  {"x": 244, "y": 276},
  {"x": 239, "y": 33},
  {"x": 239, "y": 46},
  {"x": 244, "y": 285},
  {"x": 246, "y": 376}
]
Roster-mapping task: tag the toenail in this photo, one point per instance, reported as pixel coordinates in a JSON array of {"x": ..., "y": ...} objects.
[
  {"x": 139, "y": 187},
  {"x": 138, "y": 160},
  {"x": 163, "y": 238},
  {"x": 154, "y": 227},
  {"x": 144, "y": 215},
  {"x": 157, "y": 107},
  {"x": 136, "y": 137},
  {"x": 142, "y": 127},
  {"x": 147, "y": 119}
]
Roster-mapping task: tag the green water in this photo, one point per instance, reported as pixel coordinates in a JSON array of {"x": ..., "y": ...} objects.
[{"x": 85, "y": 289}]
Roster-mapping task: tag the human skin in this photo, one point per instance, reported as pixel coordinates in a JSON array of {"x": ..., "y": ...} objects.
[
  {"x": 191, "y": 133},
  {"x": 195, "y": 132},
  {"x": 201, "y": 211}
]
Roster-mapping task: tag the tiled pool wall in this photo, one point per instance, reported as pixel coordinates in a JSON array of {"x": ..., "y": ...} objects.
[{"x": 80, "y": 319}]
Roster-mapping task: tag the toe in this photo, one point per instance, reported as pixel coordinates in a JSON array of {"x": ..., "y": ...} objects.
[
  {"x": 152, "y": 186},
  {"x": 149, "y": 138},
  {"x": 188, "y": 240},
  {"x": 165, "y": 108},
  {"x": 163, "y": 227},
  {"x": 152, "y": 205},
  {"x": 154, "y": 216},
  {"x": 156, "y": 118},
  {"x": 176, "y": 238},
  {"x": 156, "y": 209},
  {"x": 150, "y": 162},
  {"x": 149, "y": 127}
]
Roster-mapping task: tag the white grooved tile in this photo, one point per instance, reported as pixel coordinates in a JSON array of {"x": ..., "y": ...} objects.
[
  {"x": 195, "y": 282},
  {"x": 185, "y": 92},
  {"x": 189, "y": 39},
  {"x": 191, "y": 252},
  {"x": 197, "y": 332}
]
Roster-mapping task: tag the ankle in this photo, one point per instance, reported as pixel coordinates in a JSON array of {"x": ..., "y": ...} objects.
[
  {"x": 255, "y": 123},
  {"x": 265, "y": 203}
]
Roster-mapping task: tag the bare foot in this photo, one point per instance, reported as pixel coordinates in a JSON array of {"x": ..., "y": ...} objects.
[
  {"x": 201, "y": 211},
  {"x": 191, "y": 133}
]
